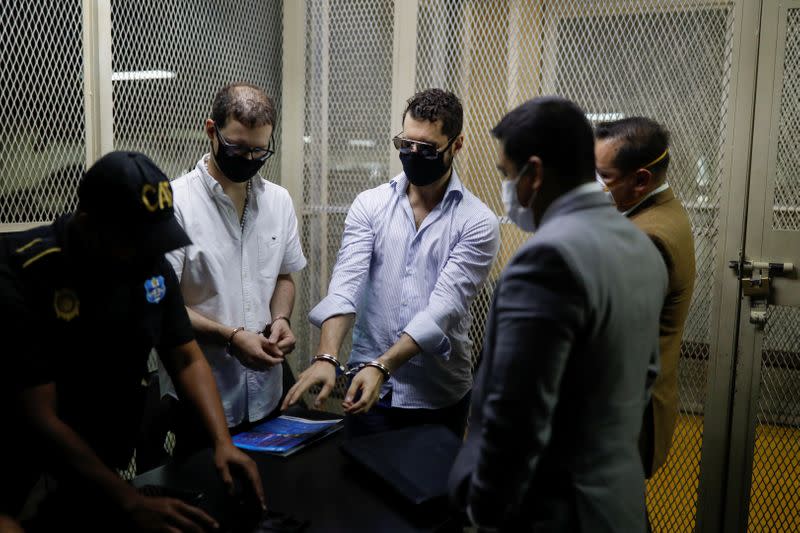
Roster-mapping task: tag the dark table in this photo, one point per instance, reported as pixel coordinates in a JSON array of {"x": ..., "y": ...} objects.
[{"x": 318, "y": 483}]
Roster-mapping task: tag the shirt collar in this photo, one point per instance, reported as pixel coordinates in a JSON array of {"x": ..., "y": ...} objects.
[
  {"x": 213, "y": 185},
  {"x": 661, "y": 188},
  {"x": 454, "y": 187}
]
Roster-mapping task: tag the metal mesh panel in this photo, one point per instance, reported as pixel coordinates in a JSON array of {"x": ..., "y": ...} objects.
[
  {"x": 785, "y": 212},
  {"x": 171, "y": 58},
  {"x": 42, "y": 150},
  {"x": 775, "y": 487},
  {"x": 347, "y": 136},
  {"x": 666, "y": 60}
]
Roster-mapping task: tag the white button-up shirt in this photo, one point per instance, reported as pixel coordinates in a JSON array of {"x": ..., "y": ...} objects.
[{"x": 228, "y": 274}]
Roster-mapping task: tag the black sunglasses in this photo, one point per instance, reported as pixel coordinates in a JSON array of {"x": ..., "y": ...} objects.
[
  {"x": 426, "y": 150},
  {"x": 257, "y": 153}
]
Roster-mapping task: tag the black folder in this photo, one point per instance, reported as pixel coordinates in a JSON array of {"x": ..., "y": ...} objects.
[{"x": 414, "y": 461}]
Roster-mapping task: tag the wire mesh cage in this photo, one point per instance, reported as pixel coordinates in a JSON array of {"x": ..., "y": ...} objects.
[
  {"x": 670, "y": 61},
  {"x": 786, "y": 214},
  {"x": 169, "y": 60},
  {"x": 42, "y": 147},
  {"x": 774, "y": 494}
]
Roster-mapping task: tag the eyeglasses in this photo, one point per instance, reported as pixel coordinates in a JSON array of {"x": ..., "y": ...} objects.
[
  {"x": 426, "y": 150},
  {"x": 256, "y": 153}
]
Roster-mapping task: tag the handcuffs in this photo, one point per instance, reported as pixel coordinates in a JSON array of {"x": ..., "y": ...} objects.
[{"x": 342, "y": 371}]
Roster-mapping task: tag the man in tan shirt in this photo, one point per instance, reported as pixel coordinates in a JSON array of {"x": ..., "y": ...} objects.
[{"x": 632, "y": 156}]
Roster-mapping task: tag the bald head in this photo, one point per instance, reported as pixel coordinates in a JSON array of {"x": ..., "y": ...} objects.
[{"x": 245, "y": 103}]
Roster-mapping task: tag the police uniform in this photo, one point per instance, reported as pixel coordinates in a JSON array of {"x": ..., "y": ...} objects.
[
  {"x": 88, "y": 327},
  {"x": 91, "y": 336}
]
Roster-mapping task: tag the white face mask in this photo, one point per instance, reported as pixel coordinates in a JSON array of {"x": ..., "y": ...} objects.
[
  {"x": 604, "y": 187},
  {"x": 600, "y": 181},
  {"x": 520, "y": 215}
]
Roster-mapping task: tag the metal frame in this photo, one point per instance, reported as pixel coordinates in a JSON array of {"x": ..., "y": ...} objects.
[
  {"x": 321, "y": 163},
  {"x": 97, "y": 87},
  {"x": 714, "y": 503},
  {"x": 404, "y": 66},
  {"x": 293, "y": 107},
  {"x": 747, "y": 386}
]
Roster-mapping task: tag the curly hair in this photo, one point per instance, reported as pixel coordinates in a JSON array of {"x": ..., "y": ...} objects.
[{"x": 437, "y": 104}]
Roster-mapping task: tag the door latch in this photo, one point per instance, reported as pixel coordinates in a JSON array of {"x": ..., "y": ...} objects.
[{"x": 756, "y": 281}]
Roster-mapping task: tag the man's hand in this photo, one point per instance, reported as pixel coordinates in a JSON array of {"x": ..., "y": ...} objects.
[
  {"x": 167, "y": 514},
  {"x": 320, "y": 372},
  {"x": 255, "y": 351},
  {"x": 280, "y": 335},
  {"x": 368, "y": 382},
  {"x": 228, "y": 457}
]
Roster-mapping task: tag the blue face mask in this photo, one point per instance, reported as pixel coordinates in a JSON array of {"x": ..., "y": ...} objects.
[{"x": 519, "y": 214}]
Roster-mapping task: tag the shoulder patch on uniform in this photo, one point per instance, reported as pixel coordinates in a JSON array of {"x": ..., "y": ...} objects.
[
  {"x": 155, "y": 289},
  {"x": 66, "y": 304}
]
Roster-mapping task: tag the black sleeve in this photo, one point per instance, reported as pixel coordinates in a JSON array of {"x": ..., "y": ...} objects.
[
  {"x": 176, "y": 329},
  {"x": 24, "y": 357}
]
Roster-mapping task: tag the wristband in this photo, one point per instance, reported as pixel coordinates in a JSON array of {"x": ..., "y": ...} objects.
[
  {"x": 332, "y": 360},
  {"x": 230, "y": 339}
]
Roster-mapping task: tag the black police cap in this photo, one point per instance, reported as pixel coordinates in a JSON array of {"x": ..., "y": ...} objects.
[{"x": 129, "y": 193}]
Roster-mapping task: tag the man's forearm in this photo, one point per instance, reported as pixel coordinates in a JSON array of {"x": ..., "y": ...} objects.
[
  {"x": 210, "y": 330},
  {"x": 333, "y": 332},
  {"x": 282, "y": 302},
  {"x": 401, "y": 351}
]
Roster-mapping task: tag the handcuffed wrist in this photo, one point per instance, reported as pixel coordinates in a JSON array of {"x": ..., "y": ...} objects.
[
  {"x": 231, "y": 336},
  {"x": 328, "y": 358}
]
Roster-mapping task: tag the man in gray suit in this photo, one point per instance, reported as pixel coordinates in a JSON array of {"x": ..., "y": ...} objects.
[{"x": 571, "y": 344}]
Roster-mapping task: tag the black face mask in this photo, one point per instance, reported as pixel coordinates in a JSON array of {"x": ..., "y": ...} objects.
[
  {"x": 422, "y": 171},
  {"x": 237, "y": 168}
]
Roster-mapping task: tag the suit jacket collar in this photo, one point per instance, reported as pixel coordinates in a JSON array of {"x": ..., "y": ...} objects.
[
  {"x": 657, "y": 199},
  {"x": 585, "y": 196}
]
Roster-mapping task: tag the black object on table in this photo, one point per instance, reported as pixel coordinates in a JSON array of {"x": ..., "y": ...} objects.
[
  {"x": 414, "y": 461},
  {"x": 318, "y": 484}
]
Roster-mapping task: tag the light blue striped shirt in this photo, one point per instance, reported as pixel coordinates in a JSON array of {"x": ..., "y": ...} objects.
[{"x": 398, "y": 279}]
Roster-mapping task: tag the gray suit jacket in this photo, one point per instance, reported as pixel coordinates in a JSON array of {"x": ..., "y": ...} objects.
[{"x": 571, "y": 349}]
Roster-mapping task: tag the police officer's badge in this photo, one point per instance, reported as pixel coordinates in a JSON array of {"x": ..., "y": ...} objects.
[
  {"x": 66, "y": 304},
  {"x": 154, "y": 289}
]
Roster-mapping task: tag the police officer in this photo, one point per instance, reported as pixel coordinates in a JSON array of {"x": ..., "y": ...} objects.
[{"x": 82, "y": 303}]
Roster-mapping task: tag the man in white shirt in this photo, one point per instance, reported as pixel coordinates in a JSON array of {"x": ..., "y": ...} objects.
[{"x": 236, "y": 276}]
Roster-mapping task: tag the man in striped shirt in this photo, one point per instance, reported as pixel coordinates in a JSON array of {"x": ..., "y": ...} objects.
[{"x": 414, "y": 253}]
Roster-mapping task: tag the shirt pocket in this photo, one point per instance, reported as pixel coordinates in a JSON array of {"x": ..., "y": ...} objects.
[{"x": 270, "y": 254}]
